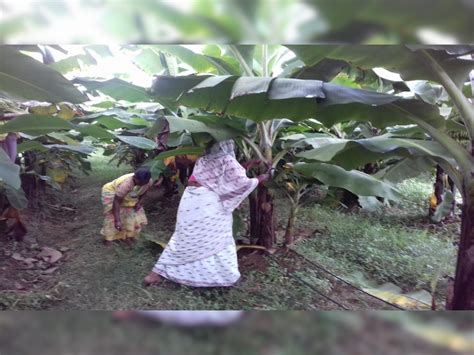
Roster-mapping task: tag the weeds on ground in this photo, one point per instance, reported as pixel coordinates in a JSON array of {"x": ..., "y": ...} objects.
[{"x": 387, "y": 251}]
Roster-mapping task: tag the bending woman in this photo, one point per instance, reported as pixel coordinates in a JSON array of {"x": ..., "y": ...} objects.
[
  {"x": 124, "y": 216},
  {"x": 202, "y": 251}
]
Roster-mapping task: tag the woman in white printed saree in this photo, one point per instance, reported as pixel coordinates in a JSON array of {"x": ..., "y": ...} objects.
[{"x": 202, "y": 251}]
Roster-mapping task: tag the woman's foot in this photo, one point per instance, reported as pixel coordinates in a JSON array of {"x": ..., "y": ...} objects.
[
  {"x": 152, "y": 279},
  {"x": 108, "y": 243}
]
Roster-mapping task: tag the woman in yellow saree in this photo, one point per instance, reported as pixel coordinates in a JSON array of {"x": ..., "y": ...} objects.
[{"x": 124, "y": 216}]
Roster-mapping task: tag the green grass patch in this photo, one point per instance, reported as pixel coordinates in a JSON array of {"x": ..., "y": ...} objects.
[
  {"x": 102, "y": 170},
  {"x": 416, "y": 193},
  {"x": 409, "y": 258}
]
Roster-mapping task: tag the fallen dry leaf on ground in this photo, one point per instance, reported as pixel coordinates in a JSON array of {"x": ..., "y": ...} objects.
[
  {"x": 30, "y": 262},
  {"x": 19, "y": 286},
  {"x": 50, "y": 270},
  {"x": 17, "y": 257},
  {"x": 50, "y": 255}
]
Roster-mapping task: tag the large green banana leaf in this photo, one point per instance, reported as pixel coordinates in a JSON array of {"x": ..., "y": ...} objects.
[{"x": 24, "y": 78}]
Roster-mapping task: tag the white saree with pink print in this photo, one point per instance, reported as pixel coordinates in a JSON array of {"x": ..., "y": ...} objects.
[{"x": 202, "y": 251}]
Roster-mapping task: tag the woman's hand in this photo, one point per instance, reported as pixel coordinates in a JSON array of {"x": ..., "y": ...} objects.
[
  {"x": 118, "y": 225},
  {"x": 271, "y": 171},
  {"x": 263, "y": 178},
  {"x": 267, "y": 176},
  {"x": 251, "y": 163}
]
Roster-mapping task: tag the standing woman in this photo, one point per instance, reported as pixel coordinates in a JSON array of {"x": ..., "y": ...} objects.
[
  {"x": 124, "y": 216},
  {"x": 202, "y": 251}
]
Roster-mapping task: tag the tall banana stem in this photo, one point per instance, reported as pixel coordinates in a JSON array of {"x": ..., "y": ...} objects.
[
  {"x": 248, "y": 71},
  {"x": 459, "y": 153},
  {"x": 460, "y": 101},
  {"x": 255, "y": 148},
  {"x": 264, "y": 60}
]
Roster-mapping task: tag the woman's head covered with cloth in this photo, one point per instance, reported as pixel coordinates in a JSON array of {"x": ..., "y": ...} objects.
[
  {"x": 221, "y": 173},
  {"x": 222, "y": 148}
]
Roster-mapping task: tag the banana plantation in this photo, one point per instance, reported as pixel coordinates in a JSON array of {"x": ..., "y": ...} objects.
[{"x": 370, "y": 204}]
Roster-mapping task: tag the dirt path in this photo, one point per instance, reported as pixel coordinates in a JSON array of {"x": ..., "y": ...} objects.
[{"x": 94, "y": 277}]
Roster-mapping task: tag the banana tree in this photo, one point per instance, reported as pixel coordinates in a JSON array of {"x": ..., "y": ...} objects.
[
  {"x": 265, "y": 99},
  {"x": 295, "y": 181},
  {"x": 269, "y": 102},
  {"x": 442, "y": 201},
  {"x": 53, "y": 128},
  {"x": 448, "y": 66},
  {"x": 128, "y": 119},
  {"x": 23, "y": 78}
]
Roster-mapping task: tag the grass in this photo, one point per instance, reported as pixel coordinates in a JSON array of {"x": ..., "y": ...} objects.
[
  {"x": 415, "y": 195},
  {"x": 397, "y": 244},
  {"x": 258, "y": 333},
  {"x": 408, "y": 257},
  {"x": 102, "y": 170},
  {"x": 393, "y": 245}
]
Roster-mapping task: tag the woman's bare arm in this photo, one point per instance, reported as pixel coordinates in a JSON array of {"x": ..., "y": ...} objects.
[{"x": 116, "y": 211}]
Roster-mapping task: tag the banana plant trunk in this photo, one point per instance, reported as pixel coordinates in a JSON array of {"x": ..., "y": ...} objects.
[
  {"x": 266, "y": 222},
  {"x": 452, "y": 188},
  {"x": 463, "y": 293},
  {"x": 289, "y": 233},
  {"x": 254, "y": 217},
  {"x": 262, "y": 221},
  {"x": 294, "y": 209},
  {"x": 439, "y": 185},
  {"x": 438, "y": 190}
]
